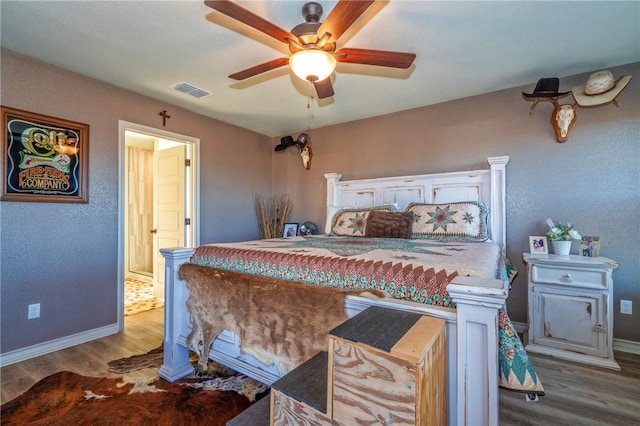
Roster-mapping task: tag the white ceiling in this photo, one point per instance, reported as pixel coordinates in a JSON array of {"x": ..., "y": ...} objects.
[{"x": 463, "y": 49}]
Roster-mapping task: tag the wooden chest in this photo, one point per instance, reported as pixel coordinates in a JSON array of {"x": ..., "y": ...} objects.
[
  {"x": 383, "y": 366},
  {"x": 388, "y": 367}
]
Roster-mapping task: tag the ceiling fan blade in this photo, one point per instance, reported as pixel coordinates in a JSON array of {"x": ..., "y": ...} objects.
[
  {"x": 243, "y": 15},
  {"x": 324, "y": 88},
  {"x": 344, "y": 13},
  {"x": 380, "y": 58},
  {"x": 259, "y": 69}
]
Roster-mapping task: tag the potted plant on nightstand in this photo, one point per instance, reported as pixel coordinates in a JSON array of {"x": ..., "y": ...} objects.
[{"x": 561, "y": 236}]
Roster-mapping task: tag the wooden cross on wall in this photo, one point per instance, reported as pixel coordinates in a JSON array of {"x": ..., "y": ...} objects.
[{"x": 164, "y": 116}]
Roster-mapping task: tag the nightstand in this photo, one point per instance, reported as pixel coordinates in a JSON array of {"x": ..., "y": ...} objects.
[{"x": 570, "y": 308}]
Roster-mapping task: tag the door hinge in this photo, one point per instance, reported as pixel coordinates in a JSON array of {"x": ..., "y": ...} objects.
[
  {"x": 187, "y": 162},
  {"x": 187, "y": 221}
]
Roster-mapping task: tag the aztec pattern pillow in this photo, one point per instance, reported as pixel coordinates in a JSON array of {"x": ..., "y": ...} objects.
[
  {"x": 382, "y": 224},
  {"x": 352, "y": 222},
  {"x": 464, "y": 221}
]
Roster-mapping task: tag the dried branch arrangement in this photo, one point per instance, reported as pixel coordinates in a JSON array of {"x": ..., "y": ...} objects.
[{"x": 273, "y": 212}]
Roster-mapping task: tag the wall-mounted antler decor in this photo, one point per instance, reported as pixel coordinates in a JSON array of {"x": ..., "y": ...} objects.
[
  {"x": 303, "y": 142},
  {"x": 600, "y": 90}
]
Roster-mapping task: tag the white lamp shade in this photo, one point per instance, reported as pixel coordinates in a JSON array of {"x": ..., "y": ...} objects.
[{"x": 312, "y": 64}]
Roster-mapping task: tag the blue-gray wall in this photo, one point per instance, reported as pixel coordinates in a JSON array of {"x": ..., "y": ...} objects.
[
  {"x": 592, "y": 180},
  {"x": 64, "y": 256}
]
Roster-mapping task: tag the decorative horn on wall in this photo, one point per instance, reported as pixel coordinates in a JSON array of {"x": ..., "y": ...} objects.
[
  {"x": 303, "y": 143},
  {"x": 600, "y": 90}
]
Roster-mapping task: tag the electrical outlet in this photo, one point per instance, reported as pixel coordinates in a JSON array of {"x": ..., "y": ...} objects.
[
  {"x": 626, "y": 307},
  {"x": 34, "y": 311}
]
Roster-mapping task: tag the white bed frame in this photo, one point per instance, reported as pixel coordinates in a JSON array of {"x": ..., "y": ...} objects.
[{"x": 472, "y": 328}]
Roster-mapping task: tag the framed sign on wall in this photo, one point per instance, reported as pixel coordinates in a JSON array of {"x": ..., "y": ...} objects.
[{"x": 44, "y": 159}]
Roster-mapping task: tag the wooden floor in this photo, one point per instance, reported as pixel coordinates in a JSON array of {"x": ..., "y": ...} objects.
[
  {"x": 142, "y": 332},
  {"x": 576, "y": 394}
]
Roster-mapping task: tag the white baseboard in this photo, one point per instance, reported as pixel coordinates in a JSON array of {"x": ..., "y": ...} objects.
[
  {"x": 56, "y": 345},
  {"x": 618, "y": 344},
  {"x": 626, "y": 346}
]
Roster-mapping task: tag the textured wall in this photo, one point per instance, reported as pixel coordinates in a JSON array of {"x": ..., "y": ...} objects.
[
  {"x": 64, "y": 256},
  {"x": 592, "y": 180}
]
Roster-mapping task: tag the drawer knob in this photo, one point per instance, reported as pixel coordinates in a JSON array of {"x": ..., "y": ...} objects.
[
  {"x": 599, "y": 327},
  {"x": 566, "y": 278}
]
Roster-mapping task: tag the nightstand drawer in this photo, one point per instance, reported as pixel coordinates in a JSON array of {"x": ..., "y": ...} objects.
[{"x": 578, "y": 277}]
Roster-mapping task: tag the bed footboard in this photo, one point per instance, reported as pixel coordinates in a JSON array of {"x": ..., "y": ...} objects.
[
  {"x": 176, "y": 318},
  {"x": 478, "y": 302},
  {"x": 472, "y": 339}
]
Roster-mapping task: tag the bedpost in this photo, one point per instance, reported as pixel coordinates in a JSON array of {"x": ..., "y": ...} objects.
[
  {"x": 498, "y": 206},
  {"x": 478, "y": 302},
  {"x": 176, "y": 357},
  {"x": 332, "y": 194}
]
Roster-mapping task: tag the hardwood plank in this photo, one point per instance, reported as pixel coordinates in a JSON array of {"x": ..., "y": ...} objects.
[
  {"x": 143, "y": 332},
  {"x": 578, "y": 394},
  {"x": 575, "y": 393}
]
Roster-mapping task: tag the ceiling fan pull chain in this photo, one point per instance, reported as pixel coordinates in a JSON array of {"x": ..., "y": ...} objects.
[{"x": 310, "y": 95}]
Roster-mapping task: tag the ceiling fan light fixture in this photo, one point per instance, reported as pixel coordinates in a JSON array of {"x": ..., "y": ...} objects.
[{"x": 312, "y": 64}]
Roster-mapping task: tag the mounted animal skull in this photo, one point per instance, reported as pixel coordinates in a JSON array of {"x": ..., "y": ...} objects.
[
  {"x": 601, "y": 89},
  {"x": 304, "y": 146},
  {"x": 306, "y": 155},
  {"x": 562, "y": 119},
  {"x": 303, "y": 143}
]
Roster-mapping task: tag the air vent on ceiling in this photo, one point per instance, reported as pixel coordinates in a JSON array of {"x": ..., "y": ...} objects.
[{"x": 190, "y": 90}]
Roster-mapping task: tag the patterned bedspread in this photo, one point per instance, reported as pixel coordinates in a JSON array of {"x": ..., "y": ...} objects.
[
  {"x": 408, "y": 269},
  {"x": 415, "y": 270}
]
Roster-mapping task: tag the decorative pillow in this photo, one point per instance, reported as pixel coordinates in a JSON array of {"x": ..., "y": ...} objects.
[
  {"x": 383, "y": 224},
  {"x": 353, "y": 221},
  {"x": 464, "y": 221},
  {"x": 332, "y": 210}
]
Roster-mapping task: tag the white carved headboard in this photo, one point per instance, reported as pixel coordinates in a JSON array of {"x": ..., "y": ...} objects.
[{"x": 488, "y": 186}]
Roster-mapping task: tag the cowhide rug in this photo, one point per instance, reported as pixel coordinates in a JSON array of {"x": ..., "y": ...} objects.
[{"x": 66, "y": 398}]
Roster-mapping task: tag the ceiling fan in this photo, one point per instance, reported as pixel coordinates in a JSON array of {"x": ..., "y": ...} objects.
[{"x": 313, "y": 43}]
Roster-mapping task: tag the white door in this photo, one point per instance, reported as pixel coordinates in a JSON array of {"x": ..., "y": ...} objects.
[{"x": 169, "y": 208}]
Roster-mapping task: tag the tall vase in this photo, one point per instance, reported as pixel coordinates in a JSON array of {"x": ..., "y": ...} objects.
[{"x": 561, "y": 247}]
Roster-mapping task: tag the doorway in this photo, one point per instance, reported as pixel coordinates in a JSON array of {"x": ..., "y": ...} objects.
[{"x": 158, "y": 207}]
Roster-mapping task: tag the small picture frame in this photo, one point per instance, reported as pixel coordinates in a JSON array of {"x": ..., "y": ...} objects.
[
  {"x": 290, "y": 230},
  {"x": 538, "y": 245},
  {"x": 590, "y": 246}
]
